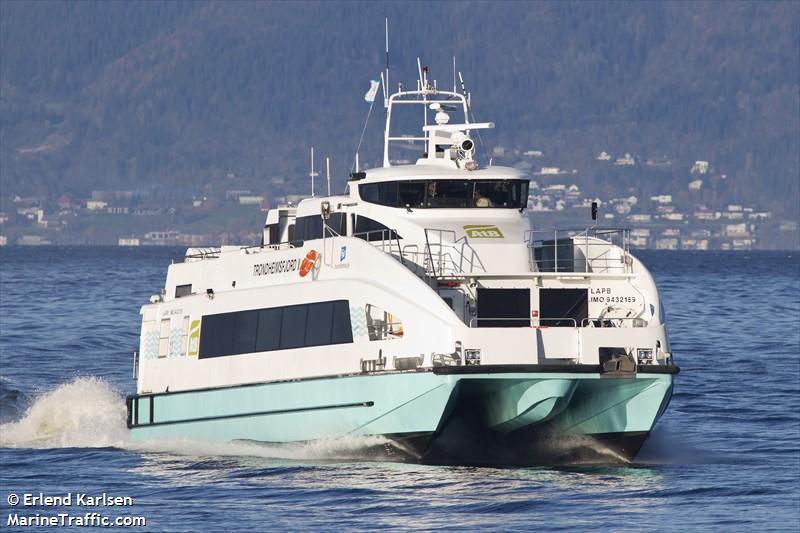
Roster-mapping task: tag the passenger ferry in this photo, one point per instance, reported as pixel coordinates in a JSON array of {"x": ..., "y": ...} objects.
[{"x": 420, "y": 307}]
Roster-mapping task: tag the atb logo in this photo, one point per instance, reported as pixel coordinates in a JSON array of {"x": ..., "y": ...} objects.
[
  {"x": 342, "y": 254},
  {"x": 483, "y": 231}
]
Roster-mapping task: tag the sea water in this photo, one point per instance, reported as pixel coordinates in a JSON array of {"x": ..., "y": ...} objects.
[{"x": 726, "y": 456}]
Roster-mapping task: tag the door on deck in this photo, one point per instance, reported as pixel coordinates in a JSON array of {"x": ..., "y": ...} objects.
[
  {"x": 564, "y": 308},
  {"x": 504, "y": 308}
]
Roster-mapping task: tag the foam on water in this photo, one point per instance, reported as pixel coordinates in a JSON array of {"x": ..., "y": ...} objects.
[
  {"x": 349, "y": 447},
  {"x": 84, "y": 413}
]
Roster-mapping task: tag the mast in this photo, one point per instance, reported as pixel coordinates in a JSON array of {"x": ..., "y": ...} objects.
[
  {"x": 312, "y": 174},
  {"x": 328, "y": 173},
  {"x": 386, "y": 80}
]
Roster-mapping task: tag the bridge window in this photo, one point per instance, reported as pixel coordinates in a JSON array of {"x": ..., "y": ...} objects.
[
  {"x": 384, "y": 193},
  {"x": 440, "y": 194},
  {"x": 410, "y": 193},
  {"x": 448, "y": 193}
]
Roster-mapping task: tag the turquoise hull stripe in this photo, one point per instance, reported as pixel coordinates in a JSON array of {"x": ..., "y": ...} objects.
[
  {"x": 305, "y": 410},
  {"x": 401, "y": 403}
]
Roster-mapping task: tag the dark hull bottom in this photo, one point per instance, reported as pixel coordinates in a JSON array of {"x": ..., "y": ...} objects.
[
  {"x": 515, "y": 449},
  {"x": 464, "y": 438}
]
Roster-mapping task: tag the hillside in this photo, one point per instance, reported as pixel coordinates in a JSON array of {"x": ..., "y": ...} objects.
[{"x": 178, "y": 95}]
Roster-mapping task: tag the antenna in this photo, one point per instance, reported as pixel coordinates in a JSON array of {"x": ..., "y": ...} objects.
[
  {"x": 366, "y": 121},
  {"x": 312, "y": 173},
  {"x": 454, "y": 73},
  {"x": 328, "y": 173},
  {"x": 469, "y": 105},
  {"x": 386, "y": 81}
]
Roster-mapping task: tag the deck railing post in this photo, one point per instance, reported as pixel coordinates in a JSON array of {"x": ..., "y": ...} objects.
[{"x": 555, "y": 248}]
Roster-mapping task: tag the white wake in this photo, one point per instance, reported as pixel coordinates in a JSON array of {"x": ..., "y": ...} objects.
[
  {"x": 84, "y": 413},
  {"x": 89, "y": 413}
]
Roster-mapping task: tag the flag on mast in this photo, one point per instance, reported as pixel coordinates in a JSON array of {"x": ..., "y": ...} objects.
[{"x": 373, "y": 90}]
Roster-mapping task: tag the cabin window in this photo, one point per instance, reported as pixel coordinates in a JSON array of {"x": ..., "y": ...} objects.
[
  {"x": 382, "y": 325},
  {"x": 163, "y": 338},
  {"x": 244, "y": 332},
  {"x": 310, "y": 227},
  {"x": 372, "y": 230},
  {"x": 338, "y": 223},
  {"x": 277, "y": 328},
  {"x": 271, "y": 232},
  {"x": 269, "y": 329},
  {"x": 341, "y": 332},
  {"x": 216, "y": 335},
  {"x": 440, "y": 194},
  {"x": 293, "y": 326},
  {"x": 183, "y": 290},
  {"x": 307, "y": 228},
  {"x": 185, "y": 343},
  {"x": 319, "y": 324}
]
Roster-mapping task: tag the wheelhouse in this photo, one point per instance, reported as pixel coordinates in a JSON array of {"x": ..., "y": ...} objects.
[{"x": 447, "y": 193}]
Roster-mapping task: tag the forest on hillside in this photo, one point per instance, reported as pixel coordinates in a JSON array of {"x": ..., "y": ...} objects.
[{"x": 182, "y": 93}]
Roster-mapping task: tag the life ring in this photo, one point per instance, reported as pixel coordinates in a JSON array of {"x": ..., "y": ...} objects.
[{"x": 309, "y": 262}]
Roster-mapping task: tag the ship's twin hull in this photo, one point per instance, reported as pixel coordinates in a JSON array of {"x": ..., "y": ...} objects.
[{"x": 450, "y": 415}]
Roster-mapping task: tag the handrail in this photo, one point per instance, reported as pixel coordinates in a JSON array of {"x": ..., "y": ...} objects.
[
  {"x": 598, "y": 322},
  {"x": 544, "y": 247},
  {"x": 214, "y": 253},
  {"x": 608, "y": 322},
  {"x": 393, "y": 240},
  {"x": 447, "y": 249},
  {"x": 475, "y": 320}
]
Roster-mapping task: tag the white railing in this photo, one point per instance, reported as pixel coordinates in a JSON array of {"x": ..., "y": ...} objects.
[
  {"x": 200, "y": 254},
  {"x": 590, "y": 322},
  {"x": 386, "y": 240},
  {"x": 446, "y": 256},
  {"x": 601, "y": 250},
  {"x": 533, "y": 322}
]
